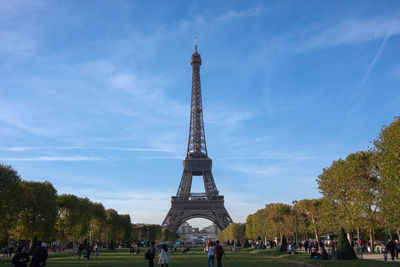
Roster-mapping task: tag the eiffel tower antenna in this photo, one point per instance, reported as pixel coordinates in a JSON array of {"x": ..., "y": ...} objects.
[{"x": 187, "y": 205}]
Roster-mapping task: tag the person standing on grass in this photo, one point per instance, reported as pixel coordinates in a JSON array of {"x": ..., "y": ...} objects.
[
  {"x": 96, "y": 249},
  {"x": 391, "y": 246},
  {"x": 21, "y": 258},
  {"x": 150, "y": 254},
  {"x": 39, "y": 256},
  {"x": 164, "y": 256},
  {"x": 219, "y": 251},
  {"x": 397, "y": 248},
  {"x": 211, "y": 253},
  {"x": 80, "y": 250}
]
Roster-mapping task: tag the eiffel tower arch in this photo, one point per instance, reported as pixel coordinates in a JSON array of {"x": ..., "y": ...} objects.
[{"x": 187, "y": 205}]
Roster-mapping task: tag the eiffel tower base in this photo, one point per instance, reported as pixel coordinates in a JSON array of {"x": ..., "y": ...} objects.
[{"x": 186, "y": 209}]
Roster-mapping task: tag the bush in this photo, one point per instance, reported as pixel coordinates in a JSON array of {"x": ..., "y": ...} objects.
[
  {"x": 283, "y": 247},
  {"x": 344, "y": 249}
]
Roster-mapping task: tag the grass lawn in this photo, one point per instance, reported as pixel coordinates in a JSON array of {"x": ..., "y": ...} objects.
[{"x": 244, "y": 257}]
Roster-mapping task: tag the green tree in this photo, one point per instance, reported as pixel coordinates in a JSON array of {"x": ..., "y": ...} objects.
[
  {"x": 308, "y": 213},
  {"x": 280, "y": 218},
  {"x": 10, "y": 193},
  {"x": 234, "y": 231},
  {"x": 350, "y": 192},
  {"x": 113, "y": 230},
  {"x": 387, "y": 148},
  {"x": 38, "y": 214},
  {"x": 68, "y": 217},
  {"x": 97, "y": 221}
]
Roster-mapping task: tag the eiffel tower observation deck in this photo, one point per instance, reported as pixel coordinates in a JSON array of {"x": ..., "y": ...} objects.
[{"x": 187, "y": 205}]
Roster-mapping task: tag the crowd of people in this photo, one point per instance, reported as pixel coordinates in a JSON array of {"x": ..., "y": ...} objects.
[
  {"x": 87, "y": 251},
  {"x": 214, "y": 250},
  {"x": 318, "y": 249}
]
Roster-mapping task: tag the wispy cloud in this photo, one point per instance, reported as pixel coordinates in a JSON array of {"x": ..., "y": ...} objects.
[
  {"x": 17, "y": 43},
  {"x": 29, "y": 148},
  {"x": 351, "y": 31},
  {"x": 53, "y": 158},
  {"x": 347, "y": 31},
  {"x": 390, "y": 30},
  {"x": 234, "y": 14}
]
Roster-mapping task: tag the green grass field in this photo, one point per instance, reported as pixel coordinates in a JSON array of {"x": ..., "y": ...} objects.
[{"x": 244, "y": 257}]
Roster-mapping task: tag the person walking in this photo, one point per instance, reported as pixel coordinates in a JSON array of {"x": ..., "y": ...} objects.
[
  {"x": 21, "y": 258},
  {"x": 219, "y": 251},
  {"x": 80, "y": 251},
  {"x": 211, "y": 253},
  {"x": 397, "y": 248},
  {"x": 39, "y": 256},
  {"x": 150, "y": 254},
  {"x": 164, "y": 256},
  {"x": 96, "y": 250},
  {"x": 10, "y": 251},
  {"x": 391, "y": 246}
]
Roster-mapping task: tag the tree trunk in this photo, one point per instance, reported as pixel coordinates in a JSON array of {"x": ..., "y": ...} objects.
[
  {"x": 349, "y": 237},
  {"x": 315, "y": 228},
  {"x": 371, "y": 239}
]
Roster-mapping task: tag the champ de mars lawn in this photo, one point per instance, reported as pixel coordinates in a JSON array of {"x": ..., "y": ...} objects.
[{"x": 196, "y": 258}]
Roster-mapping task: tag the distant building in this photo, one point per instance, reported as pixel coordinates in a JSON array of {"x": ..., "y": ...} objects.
[
  {"x": 184, "y": 229},
  {"x": 212, "y": 229}
]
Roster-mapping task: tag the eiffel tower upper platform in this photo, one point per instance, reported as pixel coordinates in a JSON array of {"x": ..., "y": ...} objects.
[{"x": 187, "y": 205}]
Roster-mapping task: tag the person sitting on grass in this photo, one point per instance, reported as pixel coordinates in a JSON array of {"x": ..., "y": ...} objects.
[{"x": 315, "y": 254}]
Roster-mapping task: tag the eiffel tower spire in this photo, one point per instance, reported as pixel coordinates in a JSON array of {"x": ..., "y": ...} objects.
[{"x": 197, "y": 147}]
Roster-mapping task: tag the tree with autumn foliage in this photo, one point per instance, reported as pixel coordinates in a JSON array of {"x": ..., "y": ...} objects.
[{"x": 387, "y": 149}]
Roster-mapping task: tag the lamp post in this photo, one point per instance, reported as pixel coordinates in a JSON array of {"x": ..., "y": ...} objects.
[{"x": 295, "y": 220}]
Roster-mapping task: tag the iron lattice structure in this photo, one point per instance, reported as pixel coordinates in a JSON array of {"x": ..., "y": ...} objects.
[{"x": 187, "y": 205}]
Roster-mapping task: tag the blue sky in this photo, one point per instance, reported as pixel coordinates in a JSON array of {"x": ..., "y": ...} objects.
[{"x": 94, "y": 95}]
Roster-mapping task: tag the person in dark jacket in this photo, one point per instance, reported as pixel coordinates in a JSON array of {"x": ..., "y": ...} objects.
[
  {"x": 391, "y": 246},
  {"x": 151, "y": 254},
  {"x": 397, "y": 248},
  {"x": 80, "y": 251},
  {"x": 219, "y": 251},
  {"x": 39, "y": 256},
  {"x": 21, "y": 258}
]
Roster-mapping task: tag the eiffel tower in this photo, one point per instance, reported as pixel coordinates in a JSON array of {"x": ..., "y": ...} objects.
[{"x": 187, "y": 205}]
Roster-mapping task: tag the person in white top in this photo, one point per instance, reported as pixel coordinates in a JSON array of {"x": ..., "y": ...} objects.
[
  {"x": 164, "y": 256},
  {"x": 211, "y": 254}
]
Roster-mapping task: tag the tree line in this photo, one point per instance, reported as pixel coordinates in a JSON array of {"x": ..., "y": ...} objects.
[
  {"x": 360, "y": 194},
  {"x": 33, "y": 210}
]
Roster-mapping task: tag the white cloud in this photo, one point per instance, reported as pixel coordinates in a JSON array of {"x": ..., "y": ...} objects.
[{"x": 233, "y": 14}]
